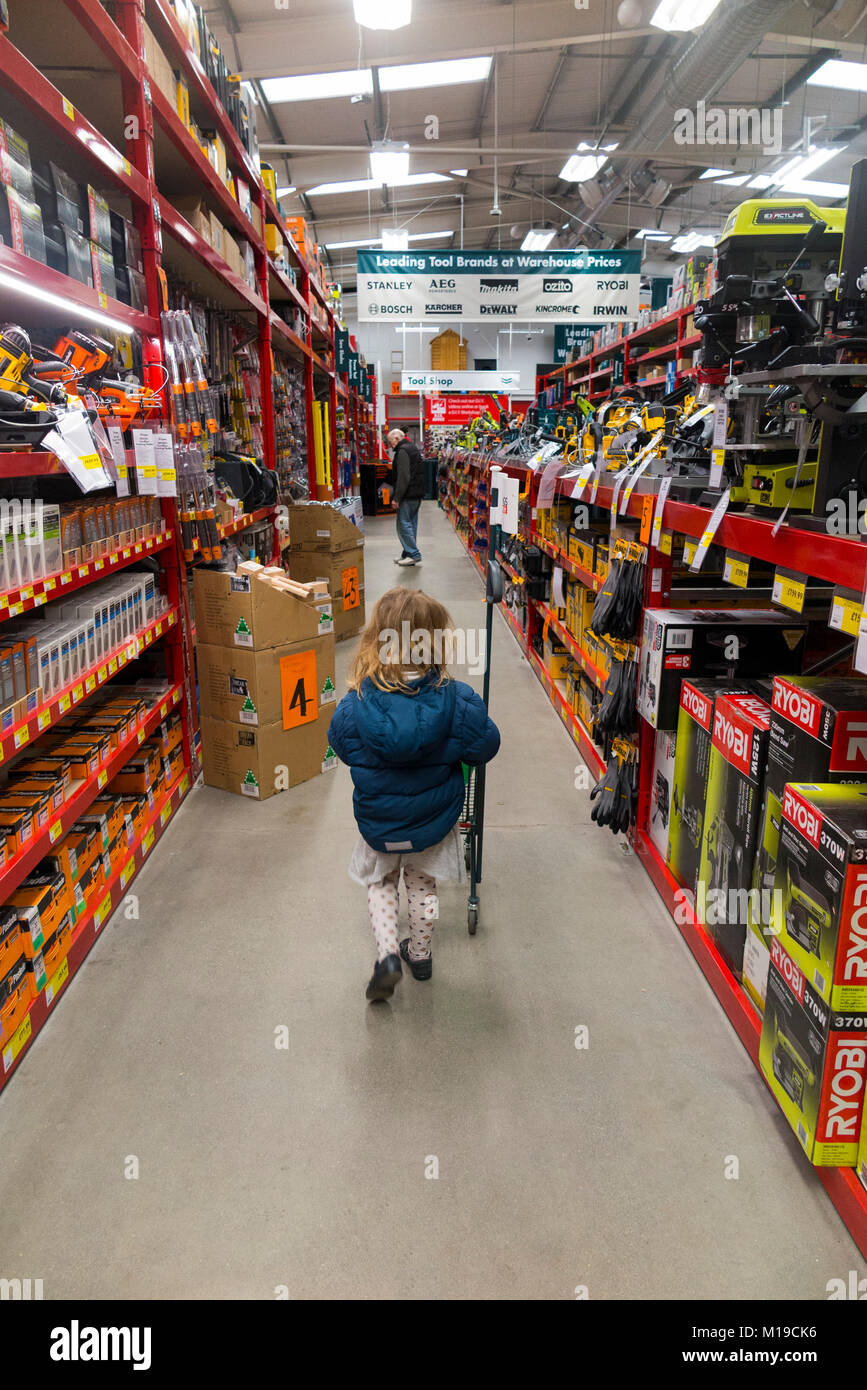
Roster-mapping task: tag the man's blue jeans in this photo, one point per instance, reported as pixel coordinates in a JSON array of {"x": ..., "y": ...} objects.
[{"x": 407, "y": 526}]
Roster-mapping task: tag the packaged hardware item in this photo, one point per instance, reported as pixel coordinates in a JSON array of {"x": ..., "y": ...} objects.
[
  {"x": 814, "y": 1058},
  {"x": 662, "y": 788},
  {"x": 818, "y": 734},
  {"x": 736, "y": 768},
  {"x": 676, "y": 643},
  {"x": 819, "y": 904}
]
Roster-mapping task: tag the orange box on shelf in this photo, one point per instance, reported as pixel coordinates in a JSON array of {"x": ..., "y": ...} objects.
[
  {"x": 10, "y": 938},
  {"x": 57, "y": 946},
  {"x": 83, "y": 846},
  {"x": 18, "y": 826},
  {"x": 16, "y": 992},
  {"x": 40, "y": 902},
  {"x": 140, "y": 773},
  {"x": 175, "y": 765},
  {"x": 134, "y": 809},
  {"x": 37, "y": 803},
  {"x": 56, "y": 765}
]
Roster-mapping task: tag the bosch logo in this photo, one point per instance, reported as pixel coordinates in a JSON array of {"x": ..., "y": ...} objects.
[{"x": 797, "y": 705}]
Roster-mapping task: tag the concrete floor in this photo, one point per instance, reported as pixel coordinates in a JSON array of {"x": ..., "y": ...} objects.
[{"x": 305, "y": 1167}]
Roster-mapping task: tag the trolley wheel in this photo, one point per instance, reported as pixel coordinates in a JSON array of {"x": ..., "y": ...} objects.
[{"x": 472, "y": 920}]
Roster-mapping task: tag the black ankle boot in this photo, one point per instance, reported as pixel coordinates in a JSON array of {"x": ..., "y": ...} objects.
[{"x": 386, "y": 974}]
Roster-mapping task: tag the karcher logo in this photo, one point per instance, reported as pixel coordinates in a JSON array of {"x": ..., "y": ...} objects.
[
  {"x": 451, "y": 308},
  {"x": 558, "y": 286}
]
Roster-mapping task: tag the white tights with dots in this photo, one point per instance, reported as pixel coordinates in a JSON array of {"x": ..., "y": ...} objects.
[{"x": 383, "y": 906}]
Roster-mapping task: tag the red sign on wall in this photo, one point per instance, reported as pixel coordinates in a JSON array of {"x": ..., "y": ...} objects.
[{"x": 459, "y": 410}]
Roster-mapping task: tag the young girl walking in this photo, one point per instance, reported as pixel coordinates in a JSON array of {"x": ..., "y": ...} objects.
[{"x": 404, "y": 729}]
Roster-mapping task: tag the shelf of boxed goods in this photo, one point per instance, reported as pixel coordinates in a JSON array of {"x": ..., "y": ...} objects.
[
  {"x": 84, "y": 792},
  {"x": 222, "y": 277},
  {"x": 248, "y": 519},
  {"x": 14, "y": 602},
  {"x": 31, "y": 281},
  {"x": 90, "y": 922},
  {"x": 286, "y": 287},
  {"x": 580, "y": 658},
  {"x": 170, "y": 35}
]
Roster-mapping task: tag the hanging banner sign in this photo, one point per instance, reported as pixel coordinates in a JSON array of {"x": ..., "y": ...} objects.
[
  {"x": 341, "y": 350},
  {"x": 459, "y": 410},
  {"x": 568, "y": 336},
  {"x": 509, "y": 382},
  {"x": 353, "y": 370},
  {"x": 479, "y": 286}
]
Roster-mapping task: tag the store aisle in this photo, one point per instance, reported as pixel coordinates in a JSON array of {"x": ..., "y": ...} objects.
[{"x": 306, "y": 1166}]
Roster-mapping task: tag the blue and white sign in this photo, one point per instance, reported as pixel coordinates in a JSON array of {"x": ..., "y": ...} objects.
[{"x": 594, "y": 287}]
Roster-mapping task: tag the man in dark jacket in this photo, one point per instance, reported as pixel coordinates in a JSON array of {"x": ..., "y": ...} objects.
[{"x": 408, "y": 480}]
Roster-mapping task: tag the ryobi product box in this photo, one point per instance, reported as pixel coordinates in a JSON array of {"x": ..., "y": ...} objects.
[
  {"x": 316, "y": 526},
  {"x": 819, "y": 904},
  {"x": 258, "y": 762},
  {"x": 235, "y": 610},
  {"x": 344, "y": 574},
  {"x": 862, "y": 1150},
  {"x": 664, "y": 754},
  {"x": 736, "y": 768},
  {"x": 814, "y": 1058},
  {"x": 739, "y": 642},
  {"x": 245, "y": 687}
]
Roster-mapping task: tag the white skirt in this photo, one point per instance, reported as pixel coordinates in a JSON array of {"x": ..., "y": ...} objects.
[{"x": 442, "y": 861}]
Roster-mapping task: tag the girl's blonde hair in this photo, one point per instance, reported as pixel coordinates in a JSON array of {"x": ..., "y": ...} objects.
[{"x": 407, "y": 630}]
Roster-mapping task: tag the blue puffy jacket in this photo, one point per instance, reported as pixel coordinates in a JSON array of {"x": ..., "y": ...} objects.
[{"x": 405, "y": 752}]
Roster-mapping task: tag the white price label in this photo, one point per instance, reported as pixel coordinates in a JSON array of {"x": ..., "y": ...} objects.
[{"x": 656, "y": 534}]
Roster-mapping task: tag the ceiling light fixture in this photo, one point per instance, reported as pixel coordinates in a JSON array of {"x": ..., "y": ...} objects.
[
  {"x": 389, "y": 162},
  {"x": 317, "y": 86},
  {"x": 367, "y": 185},
  {"x": 538, "y": 239},
  {"x": 382, "y": 14},
  {"x": 679, "y": 16},
  {"x": 716, "y": 174},
  {"x": 582, "y": 166},
  {"x": 406, "y": 77},
  {"x": 650, "y": 234},
  {"x": 395, "y": 239},
  {"x": 691, "y": 241},
  {"x": 284, "y": 192},
  {"x": 848, "y": 77}
]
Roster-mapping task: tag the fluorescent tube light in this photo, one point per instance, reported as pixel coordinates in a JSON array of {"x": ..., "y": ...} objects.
[
  {"x": 366, "y": 185},
  {"x": 389, "y": 162},
  {"x": 284, "y": 192},
  {"x": 737, "y": 181},
  {"x": 538, "y": 239},
  {"x": 716, "y": 174},
  {"x": 848, "y": 77},
  {"x": 343, "y": 245},
  {"x": 650, "y": 234},
  {"x": 406, "y": 77},
  {"x": 681, "y": 15},
  {"x": 803, "y": 165},
  {"x": 582, "y": 166},
  {"x": 691, "y": 241},
  {"x": 382, "y": 14},
  {"x": 395, "y": 239},
  {"x": 317, "y": 86},
  {"x": 459, "y": 173},
  {"x": 818, "y": 188},
  {"x": 59, "y": 301}
]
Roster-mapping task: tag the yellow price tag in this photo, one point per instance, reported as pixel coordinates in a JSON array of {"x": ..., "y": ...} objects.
[
  {"x": 77, "y": 694},
  {"x": 68, "y": 108},
  {"x": 49, "y": 584},
  {"x": 101, "y": 674},
  {"x": 66, "y": 578},
  {"x": 185, "y": 782},
  {"x": 112, "y": 666},
  {"x": 43, "y": 719},
  {"x": 15, "y": 609},
  {"x": 102, "y": 911},
  {"x": 22, "y": 736},
  {"x": 845, "y": 615},
  {"x": 127, "y": 872},
  {"x": 90, "y": 684},
  {"x": 90, "y": 460},
  {"x": 127, "y": 552},
  {"x": 736, "y": 570},
  {"x": 83, "y": 571},
  {"x": 20, "y": 1038},
  {"x": 39, "y": 600},
  {"x": 665, "y": 538},
  {"x": 64, "y": 703},
  {"x": 689, "y": 549},
  {"x": 57, "y": 981},
  {"x": 100, "y": 565},
  {"x": 55, "y": 832},
  {"x": 103, "y": 299},
  {"x": 147, "y": 842},
  {"x": 27, "y": 593},
  {"x": 789, "y": 591},
  {"x": 102, "y": 778},
  {"x": 165, "y": 813},
  {"x": 141, "y": 735}
]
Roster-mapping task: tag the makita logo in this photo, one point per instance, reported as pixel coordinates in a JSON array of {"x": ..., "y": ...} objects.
[
  {"x": 855, "y": 962},
  {"x": 802, "y": 816},
  {"x": 843, "y": 1118},
  {"x": 498, "y": 286},
  {"x": 728, "y": 738},
  {"x": 787, "y": 968},
  {"x": 798, "y": 706},
  {"x": 499, "y": 309},
  {"x": 695, "y": 704},
  {"x": 560, "y": 286}
]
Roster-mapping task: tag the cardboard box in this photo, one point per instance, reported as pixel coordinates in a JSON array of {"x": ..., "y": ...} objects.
[
  {"x": 814, "y": 1059},
  {"x": 343, "y": 572},
  {"x": 260, "y": 762},
  {"x": 739, "y": 745},
  {"x": 862, "y": 1150},
  {"x": 662, "y": 787},
  {"x": 239, "y": 611},
  {"x": 194, "y": 211},
  {"x": 676, "y": 643},
  {"x": 16, "y": 991},
  {"x": 245, "y": 687},
  {"x": 316, "y": 526},
  {"x": 689, "y": 780},
  {"x": 820, "y": 889}
]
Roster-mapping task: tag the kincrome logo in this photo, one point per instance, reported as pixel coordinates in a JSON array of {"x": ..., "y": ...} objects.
[
  {"x": 499, "y": 309},
  {"x": 449, "y": 307},
  {"x": 556, "y": 285},
  {"x": 501, "y": 286}
]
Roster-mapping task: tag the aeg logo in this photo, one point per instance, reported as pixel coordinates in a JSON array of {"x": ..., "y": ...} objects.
[
  {"x": 797, "y": 705},
  {"x": 728, "y": 737},
  {"x": 695, "y": 704},
  {"x": 802, "y": 815}
]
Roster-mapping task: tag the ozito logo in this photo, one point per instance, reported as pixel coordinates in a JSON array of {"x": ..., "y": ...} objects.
[
  {"x": 802, "y": 816},
  {"x": 501, "y": 286},
  {"x": 696, "y": 704},
  {"x": 560, "y": 285},
  {"x": 798, "y": 706}
]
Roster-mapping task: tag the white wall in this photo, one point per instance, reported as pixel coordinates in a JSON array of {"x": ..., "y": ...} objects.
[{"x": 379, "y": 340}]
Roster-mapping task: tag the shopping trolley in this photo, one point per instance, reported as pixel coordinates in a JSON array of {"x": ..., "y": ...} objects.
[{"x": 472, "y": 821}]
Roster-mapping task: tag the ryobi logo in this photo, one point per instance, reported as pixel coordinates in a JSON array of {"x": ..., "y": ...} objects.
[
  {"x": 798, "y": 706},
  {"x": 729, "y": 738},
  {"x": 843, "y": 1117},
  {"x": 802, "y": 816},
  {"x": 695, "y": 704},
  {"x": 787, "y": 968},
  {"x": 855, "y": 963},
  {"x": 849, "y": 749}
]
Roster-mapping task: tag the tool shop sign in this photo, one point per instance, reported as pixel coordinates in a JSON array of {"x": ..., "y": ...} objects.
[{"x": 480, "y": 286}]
